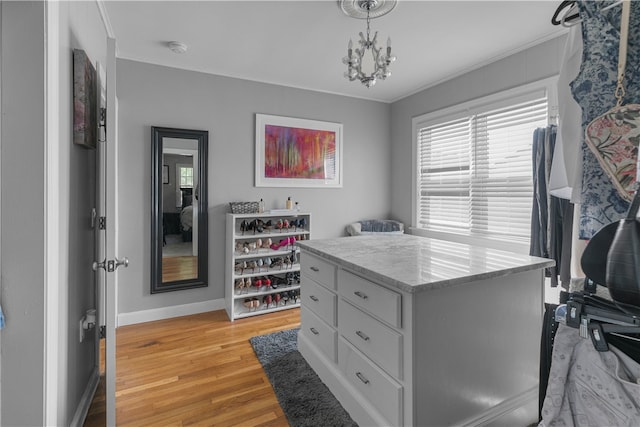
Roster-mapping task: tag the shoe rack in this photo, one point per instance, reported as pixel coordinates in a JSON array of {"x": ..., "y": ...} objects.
[{"x": 262, "y": 272}]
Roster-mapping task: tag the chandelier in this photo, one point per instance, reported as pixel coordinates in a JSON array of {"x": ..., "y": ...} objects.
[{"x": 367, "y": 63}]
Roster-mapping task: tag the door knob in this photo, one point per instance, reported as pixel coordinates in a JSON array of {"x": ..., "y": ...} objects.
[
  {"x": 111, "y": 265},
  {"x": 124, "y": 261}
]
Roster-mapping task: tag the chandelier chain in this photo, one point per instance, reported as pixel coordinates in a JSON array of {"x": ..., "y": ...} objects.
[{"x": 368, "y": 30}]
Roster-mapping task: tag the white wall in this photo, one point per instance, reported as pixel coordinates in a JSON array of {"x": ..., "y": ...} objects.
[
  {"x": 151, "y": 95},
  {"x": 535, "y": 63}
]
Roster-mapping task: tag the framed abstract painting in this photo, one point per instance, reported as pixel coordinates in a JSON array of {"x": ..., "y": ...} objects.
[
  {"x": 85, "y": 101},
  {"x": 293, "y": 152}
]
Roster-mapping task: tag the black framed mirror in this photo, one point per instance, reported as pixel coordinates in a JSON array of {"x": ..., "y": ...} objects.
[{"x": 179, "y": 226}]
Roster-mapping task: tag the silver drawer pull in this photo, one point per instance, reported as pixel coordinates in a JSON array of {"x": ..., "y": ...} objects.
[
  {"x": 360, "y": 294},
  {"x": 362, "y": 378},
  {"x": 316, "y": 269},
  {"x": 362, "y": 335},
  {"x": 313, "y": 298},
  {"x": 314, "y": 331}
]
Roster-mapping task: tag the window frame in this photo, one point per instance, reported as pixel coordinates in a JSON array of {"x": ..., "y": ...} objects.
[{"x": 545, "y": 87}]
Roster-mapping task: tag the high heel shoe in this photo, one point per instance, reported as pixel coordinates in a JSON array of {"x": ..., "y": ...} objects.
[
  {"x": 244, "y": 226},
  {"x": 277, "y": 262},
  {"x": 267, "y": 299},
  {"x": 267, "y": 243},
  {"x": 240, "y": 266},
  {"x": 252, "y": 265},
  {"x": 239, "y": 285},
  {"x": 298, "y": 223},
  {"x": 267, "y": 282},
  {"x": 284, "y": 243}
]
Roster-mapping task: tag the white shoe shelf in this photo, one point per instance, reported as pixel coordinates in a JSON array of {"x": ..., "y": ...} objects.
[{"x": 272, "y": 272}]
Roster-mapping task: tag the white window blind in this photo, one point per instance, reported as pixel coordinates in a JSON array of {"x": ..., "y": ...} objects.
[{"x": 475, "y": 171}]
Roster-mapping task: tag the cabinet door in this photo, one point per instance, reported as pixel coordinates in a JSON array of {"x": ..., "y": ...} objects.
[
  {"x": 318, "y": 270},
  {"x": 380, "y": 343},
  {"x": 322, "y": 301},
  {"x": 371, "y": 297},
  {"x": 384, "y": 393}
]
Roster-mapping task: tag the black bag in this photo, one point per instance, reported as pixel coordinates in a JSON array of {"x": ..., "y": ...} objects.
[
  {"x": 623, "y": 261},
  {"x": 594, "y": 257}
]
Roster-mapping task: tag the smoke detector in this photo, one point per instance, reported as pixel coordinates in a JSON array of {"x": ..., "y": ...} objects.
[{"x": 178, "y": 47}]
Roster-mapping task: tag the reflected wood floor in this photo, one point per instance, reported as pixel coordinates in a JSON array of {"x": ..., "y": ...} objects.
[
  {"x": 193, "y": 370},
  {"x": 179, "y": 268}
]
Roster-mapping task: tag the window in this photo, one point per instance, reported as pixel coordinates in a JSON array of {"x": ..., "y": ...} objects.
[
  {"x": 184, "y": 178},
  {"x": 474, "y": 166}
]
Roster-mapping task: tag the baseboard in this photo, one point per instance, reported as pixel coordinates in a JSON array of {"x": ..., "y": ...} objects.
[
  {"x": 169, "y": 312},
  {"x": 85, "y": 401}
]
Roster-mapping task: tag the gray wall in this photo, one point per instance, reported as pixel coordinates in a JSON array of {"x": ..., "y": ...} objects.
[
  {"x": 528, "y": 66},
  {"x": 22, "y": 201},
  {"x": 23, "y": 213},
  {"x": 81, "y": 27},
  {"x": 150, "y": 95}
]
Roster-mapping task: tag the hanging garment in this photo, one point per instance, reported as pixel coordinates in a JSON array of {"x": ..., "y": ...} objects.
[
  {"x": 594, "y": 89},
  {"x": 551, "y": 217},
  {"x": 565, "y": 180},
  {"x": 588, "y": 388},
  {"x": 613, "y": 137}
]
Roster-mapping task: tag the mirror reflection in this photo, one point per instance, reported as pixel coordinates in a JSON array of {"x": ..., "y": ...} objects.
[
  {"x": 179, "y": 220},
  {"x": 179, "y": 210}
]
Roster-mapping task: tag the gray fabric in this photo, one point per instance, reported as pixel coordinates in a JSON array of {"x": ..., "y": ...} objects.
[
  {"x": 304, "y": 398},
  {"x": 588, "y": 388},
  {"x": 380, "y": 225}
]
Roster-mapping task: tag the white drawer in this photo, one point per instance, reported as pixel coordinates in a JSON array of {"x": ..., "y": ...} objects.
[
  {"x": 318, "y": 269},
  {"x": 384, "y": 393},
  {"x": 377, "y": 300},
  {"x": 378, "y": 342},
  {"x": 322, "y": 301},
  {"x": 322, "y": 335}
]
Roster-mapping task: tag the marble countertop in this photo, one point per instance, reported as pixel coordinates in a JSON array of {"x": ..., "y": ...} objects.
[{"x": 415, "y": 264}]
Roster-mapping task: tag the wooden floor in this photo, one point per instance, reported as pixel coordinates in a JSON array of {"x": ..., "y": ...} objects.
[
  {"x": 193, "y": 370},
  {"x": 179, "y": 268}
]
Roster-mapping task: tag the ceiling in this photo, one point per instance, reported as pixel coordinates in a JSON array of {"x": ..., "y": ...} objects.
[{"x": 301, "y": 43}]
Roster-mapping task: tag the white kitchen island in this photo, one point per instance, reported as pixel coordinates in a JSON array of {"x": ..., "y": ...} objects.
[{"x": 408, "y": 330}]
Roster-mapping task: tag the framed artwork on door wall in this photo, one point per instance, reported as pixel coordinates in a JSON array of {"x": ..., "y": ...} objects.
[
  {"x": 293, "y": 152},
  {"x": 85, "y": 101}
]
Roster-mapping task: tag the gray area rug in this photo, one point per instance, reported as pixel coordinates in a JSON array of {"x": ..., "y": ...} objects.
[{"x": 304, "y": 398}]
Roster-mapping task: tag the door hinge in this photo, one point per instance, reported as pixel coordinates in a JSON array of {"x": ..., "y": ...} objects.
[
  {"x": 102, "y": 223},
  {"x": 103, "y": 331},
  {"x": 102, "y": 125}
]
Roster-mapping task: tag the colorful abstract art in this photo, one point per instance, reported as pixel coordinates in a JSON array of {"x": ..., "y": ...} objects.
[
  {"x": 299, "y": 153},
  {"x": 302, "y": 154}
]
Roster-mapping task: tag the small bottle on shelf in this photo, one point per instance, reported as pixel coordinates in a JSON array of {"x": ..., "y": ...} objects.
[
  {"x": 261, "y": 206},
  {"x": 297, "y": 207},
  {"x": 289, "y": 203}
]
